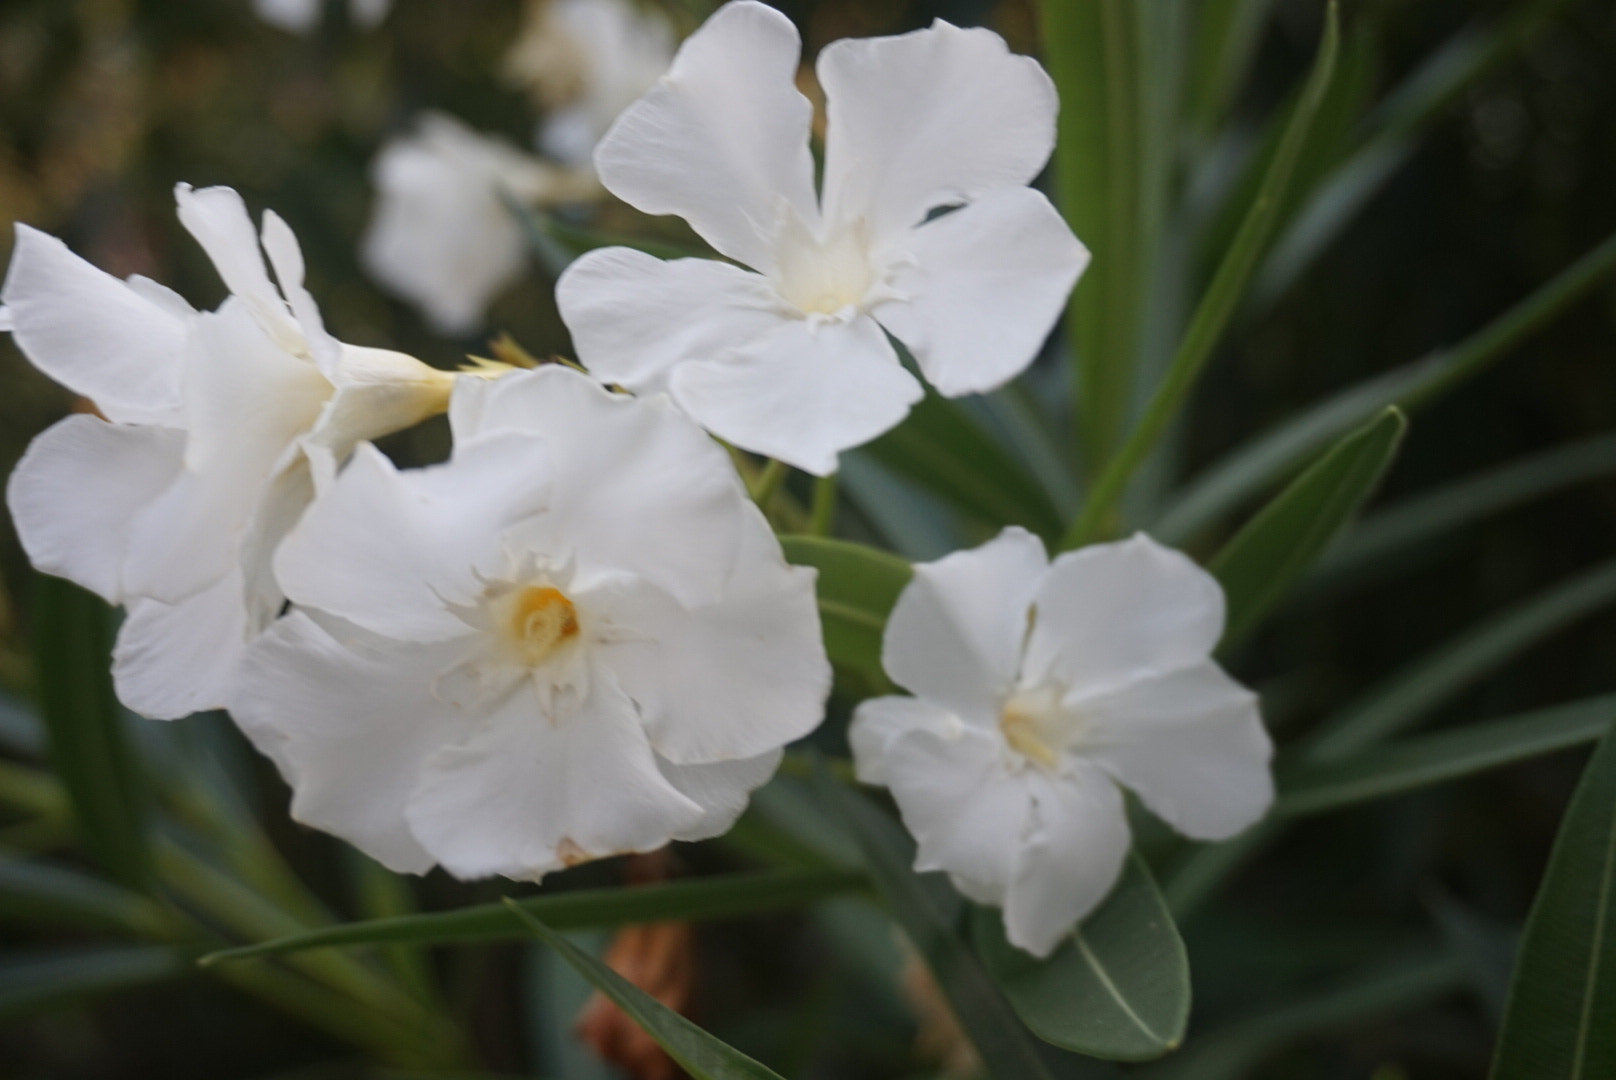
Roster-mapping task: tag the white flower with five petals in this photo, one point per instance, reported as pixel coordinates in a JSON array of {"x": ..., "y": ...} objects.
[
  {"x": 1039, "y": 689},
  {"x": 219, "y": 428},
  {"x": 585, "y": 61},
  {"x": 576, "y": 638},
  {"x": 789, "y": 356},
  {"x": 444, "y": 233}
]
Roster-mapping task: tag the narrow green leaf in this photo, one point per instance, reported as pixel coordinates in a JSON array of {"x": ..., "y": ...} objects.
[
  {"x": 1432, "y": 679},
  {"x": 1225, "y": 40},
  {"x": 723, "y": 897},
  {"x": 1093, "y": 52},
  {"x": 1271, "y": 456},
  {"x": 1217, "y": 305},
  {"x": 1377, "y": 539},
  {"x": 703, "y": 1056},
  {"x": 1558, "y": 1023},
  {"x": 1119, "y": 989},
  {"x": 1234, "y": 1051},
  {"x": 929, "y": 911},
  {"x": 940, "y": 448},
  {"x": 89, "y": 748},
  {"x": 33, "y": 981},
  {"x": 1419, "y": 762},
  {"x": 1278, "y": 546},
  {"x": 32, "y": 891},
  {"x": 1393, "y": 133},
  {"x": 857, "y": 587}
]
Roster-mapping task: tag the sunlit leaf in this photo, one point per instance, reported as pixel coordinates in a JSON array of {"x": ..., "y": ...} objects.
[{"x": 1118, "y": 989}]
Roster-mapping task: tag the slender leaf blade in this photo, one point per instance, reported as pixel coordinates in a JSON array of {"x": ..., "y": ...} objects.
[
  {"x": 929, "y": 911},
  {"x": 1557, "y": 1025},
  {"x": 1416, "y": 763},
  {"x": 700, "y": 1054},
  {"x": 33, "y": 981},
  {"x": 84, "y": 724},
  {"x": 1283, "y": 541},
  {"x": 722, "y": 897},
  {"x": 1119, "y": 989}
]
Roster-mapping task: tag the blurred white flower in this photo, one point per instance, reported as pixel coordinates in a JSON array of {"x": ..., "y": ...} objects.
[
  {"x": 301, "y": 16},
  {"x": 585, "y": 61},
  {"x": 793, "y": 360},
  {"x": 576, "y": 638},
  {"x": 219, "y": 428},
  {"x": 444, "y": 234},
  {"x": 1038, "y": 690}
]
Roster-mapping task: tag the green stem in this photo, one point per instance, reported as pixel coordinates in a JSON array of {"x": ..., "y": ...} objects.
[
  {"x": 762, "y": 486},
  {"x": 823, "y": 515}
]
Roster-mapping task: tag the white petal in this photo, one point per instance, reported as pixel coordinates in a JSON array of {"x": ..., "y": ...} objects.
[
  {"x": 443, "y": 234},
  {"x": 879, "y": 721},
  {"x": 729, "y": 679},
  {"x": 172, "y": 660},
  {"x": 956, "y": 633},
  {"x": 528, "y": 792},
  {"x": 247, "y": 402},
  {"x": 287, "y": 259},
  {"x": 1070, "y": 860},
  {"x": 77, "y": 490},
  {"x": 92, "y": 333},
  {"x": 984, "y": 285},
  {"x": 721, "y": 789},
  {"x": 217, "y": 218},
  {"x": 722, "y": 139},
  {"x": 1110, "y": 614},
  {"x": 625, "y": 471},
  {"x": 350, "y": 724},
  {"x": 378, "y": 392},
  {"x": 1191, "y": 743},
  {"x": 633, "y": 317},
  {"x": 297, "y": 16},
  {"x": 923, "y": 119},
  {"x": 388, "y": 550},
  {"x": 966, "y": 810},
  {"x": 802, "y": 393}
]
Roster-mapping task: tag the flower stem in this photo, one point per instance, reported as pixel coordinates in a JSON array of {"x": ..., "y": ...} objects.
[
  {"x": 823, "y": 515},
  {"x": 764, "y": 485}
]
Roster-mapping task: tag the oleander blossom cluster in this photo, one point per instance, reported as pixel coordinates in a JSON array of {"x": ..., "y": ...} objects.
[{"x": 578, "y": 636}]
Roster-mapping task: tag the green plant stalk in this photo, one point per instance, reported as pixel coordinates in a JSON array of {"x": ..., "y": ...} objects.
[
  {"x": 245, "y": 912},
  {"x": 1252, "y": 467},
  {"x": 1091, "y": 53},
  {"x": 1221, "y": 299},
  {"x": 822, "y": 515}
]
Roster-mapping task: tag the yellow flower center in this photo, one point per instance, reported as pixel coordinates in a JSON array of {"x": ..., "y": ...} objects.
[
  {"x": 824, "y": 277},
  {"x": 1031, "y": 723},
  {"x": 540, "y": 619}
]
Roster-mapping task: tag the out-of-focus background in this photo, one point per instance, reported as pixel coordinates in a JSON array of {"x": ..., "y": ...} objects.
[{"x": 106, "y": 104}]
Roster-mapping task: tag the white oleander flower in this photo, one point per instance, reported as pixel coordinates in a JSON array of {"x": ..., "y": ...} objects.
[
  {"x": 790, "y": 358},
  {"x": 219, "y": 428},
  {"x": 576, "y": 638},
  {"x": 585, "y": 61},
  {"x": 1039, "y": 689},
  {"x": 301, "y": 16},
  {"x": 444, "y": 234}
]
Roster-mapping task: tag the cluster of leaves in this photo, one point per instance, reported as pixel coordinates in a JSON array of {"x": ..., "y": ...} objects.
[{"x": 1220, "y": 163}]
